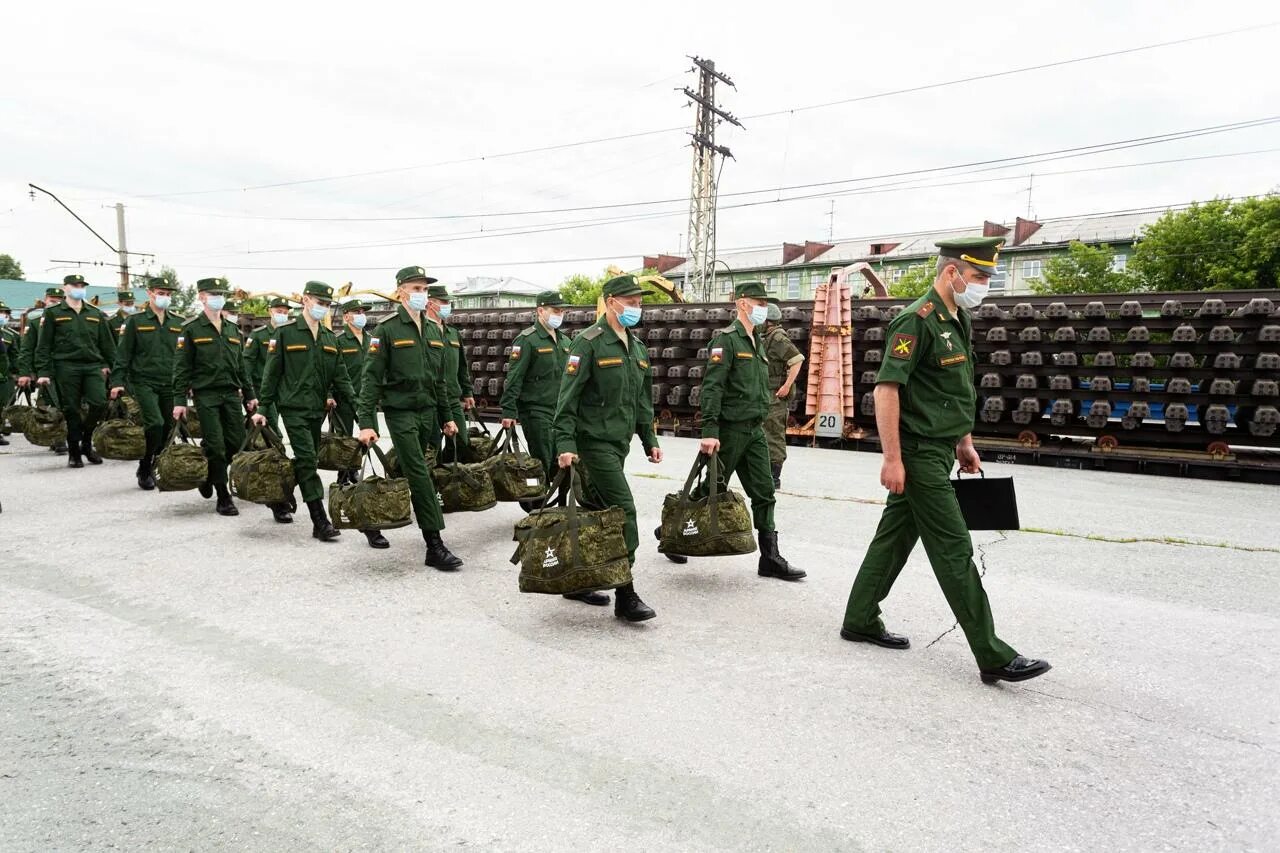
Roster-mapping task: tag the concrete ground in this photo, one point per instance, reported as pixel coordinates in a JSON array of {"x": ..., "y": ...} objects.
[{"x": 171, "y": 679}]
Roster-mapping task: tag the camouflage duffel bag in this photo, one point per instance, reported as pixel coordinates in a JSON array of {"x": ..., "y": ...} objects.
[
  {"x": 517, "y": 476},
  {"x": 476, "y": 447},
  {"x": 132, "y": 409},
  {"x": 262, "y": 476},
  {"x": 193, "y": 422},
  {"x": 338, "y": 452},
  {"x": 567, "y": 550},
  {"x": 374, "y": 503},
  {"x": 13, "y": 418},
  {"x": 118, "y": 437},
  {"x": 701, "y": 520},
  {"x": 393, "y": 461},
  {"x": 46, "y": 425},
  {"x": 181, "y": 466},
  {"x": 464, "y": 488}
]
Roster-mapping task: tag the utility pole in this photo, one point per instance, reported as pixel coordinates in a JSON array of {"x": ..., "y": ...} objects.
[
  {"x": 701, "y": 278},
  {"x": 831, "y": 222},
  {"x": 123, "y": 250}
]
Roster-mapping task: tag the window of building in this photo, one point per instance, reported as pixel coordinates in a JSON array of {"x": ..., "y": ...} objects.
[
  {"x": 896, "y": 274},
  {"x": 771, "y": 283},
  {"x": 999, "y": 277},
  {"x": 1032, "y": 269},
  {"x": 726, "y": 285},
  {"x": 1119, "y": 263},
  {"x": 793, "y": 285}
]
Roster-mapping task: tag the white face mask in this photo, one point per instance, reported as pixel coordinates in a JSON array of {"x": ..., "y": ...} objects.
[
  {"x": 231, "y": 318},
  {"x": 554, "y": 320},
  {"x": 279, "y": 318},
  {"x": 4, "y": 319},
  {"x": 161, "y": 302},
  {"x": 129, "y": 309},
  {"x": 358, "y": 320},
  {"x": 972, "y": 296}
]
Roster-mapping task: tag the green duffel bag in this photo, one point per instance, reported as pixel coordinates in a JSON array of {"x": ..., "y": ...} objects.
[
  {"x": 46, "y": 425},
  {"x": 13, "y": 418},
  {"x": 132, "y": 409},
  {"x": 476, "y": 447},
  {"x": 262, "y": 476},
  {"x": 464, "y": 487},
  {"x": 374, "y": 503},
  {"x": 517, "y": 476},
  {"x": 181, "y": 466},
  {"x": 338, "y": 452},
  {"x": 569, "y": 549},
  {"x": 702, "y": 521},
  {"x": 393, "y": 461},
  {"x": 193, "y": 422},
  {"x": 118, "y": 437}
]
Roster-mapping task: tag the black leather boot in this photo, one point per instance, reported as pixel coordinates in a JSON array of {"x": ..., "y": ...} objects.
[
  {"x": 321, "y": 527},
  {"x": 376, "y": 539},
  {"x": 777, "y": 476},
  {"x": 146, "y": 479},
  {"x": 73, "y": 456},
  {"x": 205, "y": 489},
  {"x": 438, "y": 556},
  {"x": 628, "y": 605},
  {"x": 675, "y": 558},
  {"x": 772, "y": 565},
  {"x": 280, "y": 512},
  {"x": 91, "y": 456},
  {"x": 595, "y": 597},
  {"x": 225, "y": 506},
  {"x": 58, "y": 447}
]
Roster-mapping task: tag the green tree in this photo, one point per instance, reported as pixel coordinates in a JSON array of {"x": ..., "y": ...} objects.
[
  {"x": 10, "y": 269},
  {"x": 1219, "y": 245},
  {"x": 579, "y": 289},
  {"x": 1083, "y": 269},
  {"x": 916, "y": 280}
]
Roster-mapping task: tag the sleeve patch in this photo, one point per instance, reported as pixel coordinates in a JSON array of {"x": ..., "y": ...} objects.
[
  {"x": 182, "y": 342},
  {"x": 902, "y": 346},
  {"x": 374, "y": 344},
  {"x": 717, "y": 355},
  {"x": 571, "y": 367},
  {"x": 515, "y": 352},
  {"x": 271, "y": 345}
]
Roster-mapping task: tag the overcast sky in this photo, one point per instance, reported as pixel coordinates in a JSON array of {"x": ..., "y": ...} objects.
[{"x": 183, "y": 111}]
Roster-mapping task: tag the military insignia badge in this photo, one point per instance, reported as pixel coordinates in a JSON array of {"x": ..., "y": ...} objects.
[
  {"x": 515, "y": 352},
  {"x": 717, "y": 355},
  {"x": 946, "y": 339},
  {"x": 271, "y": 345},
  {"x": 902, "y": 346},
  {"x": 181, "y": 342},
  {"x": 373, "y": 344},
  {"x": 572, "y": 366}
]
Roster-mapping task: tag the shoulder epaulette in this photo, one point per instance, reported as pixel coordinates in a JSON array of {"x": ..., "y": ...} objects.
[
  {"x": 727, "y": 330},
  {"x": 925, "y": 310},
  {"x": 593, "y": 333},
  {"x": 526, "y": 332},
  {"x": 191, "y": 320}
]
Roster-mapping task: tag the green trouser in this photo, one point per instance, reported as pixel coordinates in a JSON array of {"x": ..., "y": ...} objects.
[
  {"x": 743, "y": 451},
  {"x": 80, "y": 383},
  {"x": 605, "y": 483},
  {"x": 540, "y": 441},
  {"x": 410, "y": 431},
  {"x": 273, "y": 419},
  {"x": 775, "y": 431},
  {"x": 7, "y": 386},
  {"x": 222, "y": 424},
  {"x": 927, "y": 510},
  {"x": 344, "y": 418},
  {"x": 304, "y": 439},
  {"x": 156, "y": 403}
]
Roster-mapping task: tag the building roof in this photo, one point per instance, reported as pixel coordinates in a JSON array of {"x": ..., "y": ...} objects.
[
  {"x": 480, "y": 285},
  {"x": 21, "y": 295}
]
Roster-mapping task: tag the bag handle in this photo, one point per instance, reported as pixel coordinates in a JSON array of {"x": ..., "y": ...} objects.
[
  {"x": 981, "y": 473},
  {"x": 116, "y": 409},
  {"x": 708, "y": 465},
  {"x": 266, "y": 432},
  {"x": 574, "y": 495},
  {"x": 382, "y": 457},
  {"x": 508, "y": 442},
  {"x": 457, "y": 467},
  {"x": 472, "y": 416},
  {"x": 52, "y": 391},
  {"x": 178, "y": 431}
]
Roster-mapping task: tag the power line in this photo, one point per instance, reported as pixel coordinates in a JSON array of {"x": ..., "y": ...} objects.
[{"x": 645, "y": 133}]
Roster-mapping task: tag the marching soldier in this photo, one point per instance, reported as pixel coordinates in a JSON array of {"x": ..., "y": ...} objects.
[
  {"x": 255, "y": 355},
  {"x": 925, "y": 406},
  {"x": 75, "y": 350},
  {"x": 144, "y": 368},
  {"x": 9, "y": 345},
  {"x": 353, "y": 343},
  {"x": 27, "y": 349},
  {"x": 125, "y": 308},
  {"x": 605, "y": 399},
  {"x": 735, "y": 401},
  {"x": 207, "y": 363},
  {"x": 446, "y": 350},
  {"x": 785, "y": 361},
  {"x": 537, "y": 360},
  {"x": 415, "y": 395},
  {"x": 303, "y": 379}
]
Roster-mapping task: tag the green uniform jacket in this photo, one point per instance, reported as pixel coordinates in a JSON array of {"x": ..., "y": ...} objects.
[
  {"x": 27, "y": 349},
  {"x": 255, "y": 354},
  {"x": 117, "y": 322},
  {"x": 304, "y": 370},
  {"x": 533, "y": 373},
  {"x": 782, "y": 354},
  {"x": 82, "y": 338},
  {"x": 145, "y": 352},
  {"x": 402, "y": 371},
  {"x": 208, "y": 360},
  {"x": 735, "y": 385},
  {"x": 446, "y": 339},
  {"x": 12, "y": 343},
  {"x": 930, "y": 357},
  {"x": 606, "y": 391},
  {"x": 353, "y": 349}
]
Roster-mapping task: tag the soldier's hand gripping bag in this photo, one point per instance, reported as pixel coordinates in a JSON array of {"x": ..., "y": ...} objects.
[
  {"x": 262, "y": 476},
  {"x": 181, "y": 466},
  {"x": 464, "y": 487},
  {"x": 13, "y": 418},
  {"x": 478, "y": 444},
  {"x": 338, "y": 452},
  {"x": 132, "y": 409},
  {"x": 374, "y": 503},
  {"x": 517, "y": 476},
  {"x": 987, "y": 504},
  {"x": 46, "y": 425},
  {"x": 119, "y": 437},
  {"x": 566, "y": 550},
  {"x": 700, "y": 520}
]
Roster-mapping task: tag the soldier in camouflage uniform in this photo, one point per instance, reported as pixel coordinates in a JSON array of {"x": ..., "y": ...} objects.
[{"x": 785, "y": 362}]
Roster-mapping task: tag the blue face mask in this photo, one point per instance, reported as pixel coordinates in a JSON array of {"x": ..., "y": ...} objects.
[
  {"x": 358, "y": 320},
  {"x": 445, "y": 311},
  {"x": 629, "y": 316},
  {"x": 161, "y": 302},
  {"x": 75, "y": 292},
  {"x": 554, "y": 320},
  {"x": 417, "y": 301},
  {"x": 216, "y": 301},
  {"x": 318, "y": 312},
  {"x": 759, "y": 313},
  {"x": 279, "y": 318},
  {"x": 4, "y": 320}
]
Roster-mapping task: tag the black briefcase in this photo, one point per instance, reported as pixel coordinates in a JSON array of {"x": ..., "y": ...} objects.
[{"x": 987, "y": 504}]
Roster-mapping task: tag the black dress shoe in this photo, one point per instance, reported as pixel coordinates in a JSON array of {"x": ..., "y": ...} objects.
[
  {"x": 73, "y": 460},
  {"x": 281, "y": 514},
  {"x": 680, "y": 559},
  {"x": 91, "y": 456},
  {"x": 205, "y": 489},
  {"x": 376, "y": 539},
  {"x": 884, "y": 638},
  {"x": 1018, "y": 669},
  {"x": 599, "y": 599},
  {"x": 631, "y": 608}
]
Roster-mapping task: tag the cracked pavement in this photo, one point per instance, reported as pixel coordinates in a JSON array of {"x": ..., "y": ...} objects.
[{"x": 173, "y": 679}]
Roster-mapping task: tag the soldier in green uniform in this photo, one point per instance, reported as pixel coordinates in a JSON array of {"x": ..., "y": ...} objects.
[
  {"x": 735, "y": 401},
  {"x": 304, "y": 378},
  {"x": 125, "y": 308},
  {"x": 605, "y": 399},
  {"x": 415, "y": 395},
  {"x": 785, "y": 361},
  {"x": 9, "y": 345},
  {"x": 207, "y": 364},
  {"x": 925, "y": 406},
  {"x": 537, "y": 360},
  {"x": 255, "y": 355},
  {"x": 75, "y": 351},
  {"x": 27, "y": 349},
  {"x": 353, "y": 343},
  {"x": 446, "y": 350},
  {"x": 144, "y": 369}
]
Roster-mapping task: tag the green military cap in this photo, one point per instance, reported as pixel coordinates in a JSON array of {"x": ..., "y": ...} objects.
[
  {"x": 231, "y": 305},
  {"x": 979, "y": 251},
  {"x": 414, "y": 274},
  {"x": 550, "y": 297},
  {"x": 355, "y": 305},
  {"x": 53, "y": 291},
  {"x": 124, "y": 296},
  {"x": 773, "y": 300},
  {"x": 212, "y": 285},
  {"x": 278, "y": 302},
  {"x": 623, "y": 285},
  {"x": 75, "y": 278},
  {"x": 440, "y": 292},
  {"x": 159, "y": 284},
  {"x": 4, "y": 307},
  {"x": 318, "y": 289},
  {"x": 750, "y": 290}
]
